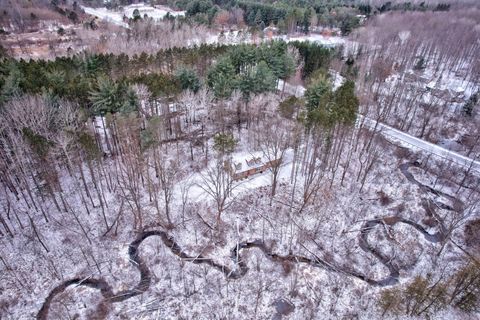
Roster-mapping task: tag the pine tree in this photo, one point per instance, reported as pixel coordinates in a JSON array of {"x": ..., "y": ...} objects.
[
  {"x": 251, "y": 18},
  {"x": 104, "y": 97},
  {"x": 470, "y": 104},
  {"x": 346, "y": 103},
  {"x": 283, "y": 66},
  {"x": 188, "y": 79},
  {"x": 11, "y": 84},
  {"x": 307, "y": 15},
  {"x": 224, "y": 143},
  {"x": 264, "y": 79},
  {"x": 316, "y": 92},
  {"x": 282, "y": 26},
  {"x": 136, "y": 15},
  {"x": 222, "y": 78},
  {"x": 110, "y": 97},
  {"x": 258, "y": 18}
]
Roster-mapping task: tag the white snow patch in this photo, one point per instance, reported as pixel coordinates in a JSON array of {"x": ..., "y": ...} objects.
[{"x": 116, "y": 17}]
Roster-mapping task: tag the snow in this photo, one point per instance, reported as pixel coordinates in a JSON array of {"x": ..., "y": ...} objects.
[
  {"x": 328, "y": 41},
  {"x": 183, "y": 289},
  {"x": 338, "y": 80},
  {"x": 156, "y": 12},
  {"x": 116, "y": 17},
  {"x": 297, "y": 91},
  {"x": 328, "y": 227},
  {"x": 242, "y": 36},
  {"x": 429, "y": 147},
  {"x": 454, "y": 84},
  {"x": 397, "y": 135},
  {"x": 198, "y": 195},
  {"x": 107, "y": 15},
  {"x": 99, "y": 122},
  {"x": 449, "y": 80}
]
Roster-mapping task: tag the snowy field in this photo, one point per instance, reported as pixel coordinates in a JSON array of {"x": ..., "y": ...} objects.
[
  {"x": 238, "y": 37},
  {"x": 116, "y": 17},
  {"x": 328, "y": 41},
  {"x": 229, "y": 37}
]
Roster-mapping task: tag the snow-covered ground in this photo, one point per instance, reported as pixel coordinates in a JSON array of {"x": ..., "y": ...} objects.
[
  {"x": 299, "y": 90},
  {"x": 183, "y": 289},
  {"x": 197, "y": 194},
  {"x": 450, "y": 83},
  {"x": 397, "y": 135},
  {"x": 229, "y": 37},
  {"x": 410, "y": 140},
  {"x": 238, "y": 37},
  {"x": 328, "y": 227},
  {"x": 328, "y": 41},
  {"x": 116, "y": 17},
  {"x": 336, "y": 78}
]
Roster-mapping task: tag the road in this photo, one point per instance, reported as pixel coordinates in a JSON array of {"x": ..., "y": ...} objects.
[
  {"x": 431, "y": 148},
  {"x": 402, "y": 137}
]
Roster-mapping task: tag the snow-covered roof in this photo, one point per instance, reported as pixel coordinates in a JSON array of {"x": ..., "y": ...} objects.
[{"x": 242, "y": 161}]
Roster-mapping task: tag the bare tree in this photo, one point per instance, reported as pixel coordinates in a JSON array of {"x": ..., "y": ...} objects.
[
  {"x": 167, "y": 175},
  {"x": 274, "y": 142},
  {"x": 219, "y": 184}
]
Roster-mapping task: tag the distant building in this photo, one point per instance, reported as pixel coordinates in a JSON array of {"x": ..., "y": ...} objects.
[
  {"x": 361, "y": 18},
  {"x": 271, "y": 32},
  {"x": 328, "y": 32}
]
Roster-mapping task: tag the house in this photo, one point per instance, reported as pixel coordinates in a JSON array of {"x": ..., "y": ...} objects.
[
  {"x": 270, "y": 32},
  {"x": 241, "y": 167}
]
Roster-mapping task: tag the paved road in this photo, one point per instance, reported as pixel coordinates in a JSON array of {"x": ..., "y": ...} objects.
[
  {"x": 405, "y": 138},
  {"x": 395, "y": 134}
]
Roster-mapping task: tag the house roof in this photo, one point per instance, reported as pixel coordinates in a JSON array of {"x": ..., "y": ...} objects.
[{"x": 243, "y": 161}]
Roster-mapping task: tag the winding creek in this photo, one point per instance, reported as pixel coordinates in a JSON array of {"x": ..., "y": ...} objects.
[{"x": 240, "y": 266}]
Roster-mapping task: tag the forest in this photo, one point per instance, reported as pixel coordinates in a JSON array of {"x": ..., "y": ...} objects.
[{"x": 240, "y": 159}]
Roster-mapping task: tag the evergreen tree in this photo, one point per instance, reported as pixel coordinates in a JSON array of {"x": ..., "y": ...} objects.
[
  {"x": 104, "y": 97},
  {"x": 346, "y": 103},
  {"x": 251, "y": 18},
  {"x": 56, "y": 83},
  {"x": 222, "y": 78},
  {"x": 307, "y": 15},
  {"x": 470, "y": 104},
  {"x": 242, "y": 56},
  {"x": 327, "y": 108},
  {"x": 11, "y": 83},
  {"x": 130, "y": 99},
  {"x": 136, "y": 15},
  {"x": 319, "y": 103},
  {"x": 258, "y": 18},
  {"x": 283, "y": 66},
  {"x": 282, "y": 26},
  {"x": 261, "y": 26},
  {"x": 316, "y": 92},
  {"x": 224, "y": 143},
  {"x": 263, "y": 79},
  {"x": 259, "y": 79},
  {"x": 347, "y": 23},
  {"x": 188, "y": 79},
  {"x": 110, "y": 97}
]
